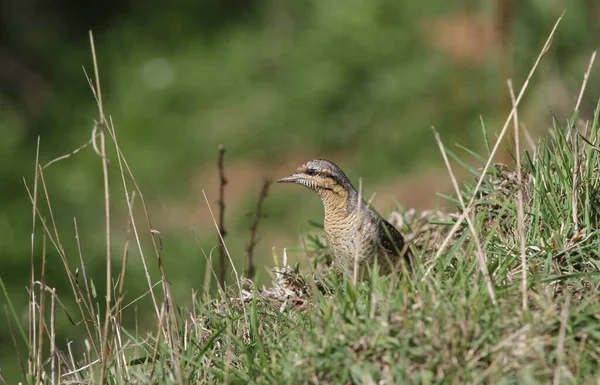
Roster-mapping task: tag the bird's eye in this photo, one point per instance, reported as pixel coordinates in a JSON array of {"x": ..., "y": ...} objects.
[{"x": 311, "y": 171}]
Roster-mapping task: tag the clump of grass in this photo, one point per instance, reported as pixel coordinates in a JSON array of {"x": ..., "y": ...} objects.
[{"x": 506, "y": 291}]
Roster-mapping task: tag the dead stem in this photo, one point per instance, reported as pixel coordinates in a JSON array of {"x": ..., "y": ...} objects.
[
  {"x": 101, "y": 125},
  {"x": 221, "y": 227}
]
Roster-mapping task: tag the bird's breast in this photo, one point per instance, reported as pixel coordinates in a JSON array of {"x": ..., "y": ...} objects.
[{"x": 347, "y": 232}]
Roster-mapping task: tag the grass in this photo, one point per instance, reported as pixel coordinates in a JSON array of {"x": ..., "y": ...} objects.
[{"x": 470, "y": 312}]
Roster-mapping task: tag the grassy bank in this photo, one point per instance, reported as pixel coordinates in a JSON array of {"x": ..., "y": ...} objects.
[{"x": 506, "y": 289}]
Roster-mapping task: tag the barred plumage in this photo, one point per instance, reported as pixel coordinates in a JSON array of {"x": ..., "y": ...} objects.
[{"x": 347, "y": 226}]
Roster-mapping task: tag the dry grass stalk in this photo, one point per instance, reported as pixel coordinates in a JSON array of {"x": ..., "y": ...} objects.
[
  {"x": 40, "y": 352},
  {"x": 221, "y": 226},
  {"x": 586, "y": 77},
  {"x": 32, "y": 301},
  {"x": 101, "y": 126},
  {"x": 53, "y": 367},
  {"x": 575, "y": 141}
]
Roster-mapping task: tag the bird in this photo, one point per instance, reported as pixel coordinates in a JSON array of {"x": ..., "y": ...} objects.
[{"x": 350, "y": 223}]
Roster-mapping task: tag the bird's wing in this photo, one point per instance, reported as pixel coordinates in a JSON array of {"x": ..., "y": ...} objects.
[{"x": 390, "y": 239}]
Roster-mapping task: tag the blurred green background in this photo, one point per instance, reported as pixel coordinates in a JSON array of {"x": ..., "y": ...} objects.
[{"x": 278, "y": 83}]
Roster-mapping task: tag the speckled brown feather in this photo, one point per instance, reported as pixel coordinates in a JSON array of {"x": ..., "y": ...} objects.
[{"x": 376, "y": 237}]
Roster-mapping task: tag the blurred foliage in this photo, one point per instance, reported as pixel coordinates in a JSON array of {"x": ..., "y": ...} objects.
[{"x": 361, "y": 81}]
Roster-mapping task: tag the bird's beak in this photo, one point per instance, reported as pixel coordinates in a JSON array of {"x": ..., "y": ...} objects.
[{"x": 290, "y": 179}]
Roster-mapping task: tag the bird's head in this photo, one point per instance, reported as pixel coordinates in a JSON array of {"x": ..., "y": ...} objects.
[{"x": 321, "y": 176}]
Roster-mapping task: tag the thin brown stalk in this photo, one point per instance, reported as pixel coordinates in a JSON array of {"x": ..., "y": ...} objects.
[
  {"x": 58, "y": 248},
  {"x": 586, "y": 77},
  {"x": 357, "y": 238},
  {"x": 40, "y": 352},
  {"x": 102, "y": 124},
  {"x": 73, "y": 366},
  {"x": 258, "y": 214},
  {"x": 520, "y": 210},
  {"x": 62, "y": 305},
  {"x": 135, "y": 300},
  {"x": 53, "y": 367},
  {"x": 89, "y": 366},
  {"x": 119, "y": 352},
  {"x": 66, "y": 156},
  {"x": 481, "y": 258},
  {"x": 470, "y": 206},
  {"x": 575, "y": 185},
  {"x": 58, "y": 245},
  {"x": 207, "y": 278},
  {"x": 221, "y": 229},
  {"x": 125, "y": 257},
  {"x": 31, "y": 310}
]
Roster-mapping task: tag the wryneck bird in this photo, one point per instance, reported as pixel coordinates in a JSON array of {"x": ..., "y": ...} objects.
[{"x": 349, "y": 220}]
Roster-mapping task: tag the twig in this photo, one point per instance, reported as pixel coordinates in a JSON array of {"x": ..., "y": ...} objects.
[
  {"x": 480, "y": 254},
  {"x": 520, "y": 211},
  {"x": 221, "y": 227},
  {"x": 251, "y": 271}
]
